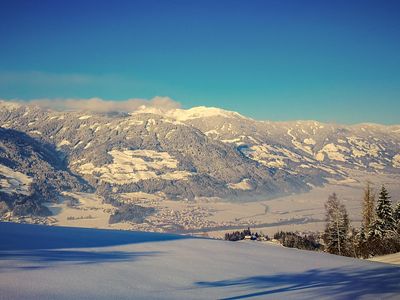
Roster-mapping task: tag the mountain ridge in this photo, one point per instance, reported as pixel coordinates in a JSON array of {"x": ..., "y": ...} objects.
[
  {"x": 170, "y": 112},
  {"x": 204, "y": 152}
]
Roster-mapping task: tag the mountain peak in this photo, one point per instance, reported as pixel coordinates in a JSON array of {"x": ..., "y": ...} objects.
[
  {"x": 180, "y": 114},
  {"x": 201, "y": 112}
]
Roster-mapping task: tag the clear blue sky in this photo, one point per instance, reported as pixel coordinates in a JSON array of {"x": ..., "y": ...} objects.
[{"x": 280, "y": 60}]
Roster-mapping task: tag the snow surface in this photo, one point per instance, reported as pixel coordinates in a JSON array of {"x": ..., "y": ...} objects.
[
  {"x": 35, "y": 132},
  {"x": 14, "y": 182},
  {"x": 389, "y": 258},
  {"x": 396, "y": 161},
  {"x": 242, "y": 185},
  {"x": 309, "y": 141},
  {"x": 63, "y": 142},
  {"x": 270, "y": 156},
  {"x": 299, "y": 145},
  {"x": 85, "y": 117},
  {"x": 39, "y": 262},
  {"x": 181, "y": 115},
  {"x": 130, "y": 166},
  {"x": 90, "y": 211},
  {"x": 334, "y": 152},
  {"x": 87, "y": 145},
  {"x": 78, "y": 144}
]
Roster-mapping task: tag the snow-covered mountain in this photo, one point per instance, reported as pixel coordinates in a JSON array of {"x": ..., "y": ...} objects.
[
  {"x": 199, "y": 152},
  {"x": 313, "y": 144}
]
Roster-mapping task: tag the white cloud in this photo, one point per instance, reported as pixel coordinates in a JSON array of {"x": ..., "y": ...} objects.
[
  {"x": 102, "y": 106},
  {"x": 63, "y": 83}
]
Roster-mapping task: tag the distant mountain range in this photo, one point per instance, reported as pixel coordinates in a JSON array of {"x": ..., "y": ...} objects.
[{"x": 181, "y": 154}]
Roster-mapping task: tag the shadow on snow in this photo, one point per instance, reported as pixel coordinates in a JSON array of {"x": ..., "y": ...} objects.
[
  {"x": 40, "y": 259},
  {"x": 339, "y": 283},
  {"x": 29, "y": 237}
]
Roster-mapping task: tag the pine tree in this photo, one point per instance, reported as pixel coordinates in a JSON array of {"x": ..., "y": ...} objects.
[
  {"x": 368, "y": 206},
  {"x": 361, "y": 235},
  {"x": 352, "y": 242},
  {"x": 384, "y": 223},
  {"x": 362, "y": 245},
  {"x": 396, "y": 214},
  {"x": 337, "y": 226}
]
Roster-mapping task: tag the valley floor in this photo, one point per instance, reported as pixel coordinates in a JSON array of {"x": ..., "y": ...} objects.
[
  {"x": 47, "y": 262},
  {"x": 213, "y": 217}
]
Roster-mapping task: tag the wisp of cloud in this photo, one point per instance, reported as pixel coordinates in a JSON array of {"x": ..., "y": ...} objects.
[{"x": 98, "y": 105}]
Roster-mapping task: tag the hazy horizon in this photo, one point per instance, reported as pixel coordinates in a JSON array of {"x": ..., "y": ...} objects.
[{"x": 98, "y": 105}]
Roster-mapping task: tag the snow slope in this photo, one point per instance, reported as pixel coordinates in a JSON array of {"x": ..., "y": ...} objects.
[
  {"x": 13, "y": 182},
  {"x": 389, "y": 259},
  {"x": 39, "y": 262}
]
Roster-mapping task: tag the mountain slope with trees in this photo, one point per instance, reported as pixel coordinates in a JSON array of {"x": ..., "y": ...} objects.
[{"x": 200, "y": 152}]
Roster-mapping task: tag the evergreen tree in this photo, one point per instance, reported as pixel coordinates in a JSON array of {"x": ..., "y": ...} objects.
[
  {"x": 361, "y": 235},
  {"x": 337, "y": 226},
  {"x": 362, "y": 245},
  {"x": 384, "y": 223},
  {"x": 396, "y": 214}
]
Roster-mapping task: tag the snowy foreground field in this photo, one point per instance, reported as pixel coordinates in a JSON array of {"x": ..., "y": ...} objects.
[{"x": 39, "y": 262}]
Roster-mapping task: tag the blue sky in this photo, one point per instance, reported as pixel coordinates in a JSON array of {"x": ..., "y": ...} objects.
[{"x": 280, "y": 60}]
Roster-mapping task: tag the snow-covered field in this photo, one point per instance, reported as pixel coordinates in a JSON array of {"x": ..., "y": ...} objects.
[
  {"x": 44, "y": 262},
  {"x": 134, "y": 165},
  {"x": 89, "y": 211}
]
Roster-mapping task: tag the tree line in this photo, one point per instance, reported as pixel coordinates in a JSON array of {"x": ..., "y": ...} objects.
[
  {"x": 378, "y": 234},
  {"x": 241, "y": 235},
  {"x": 287, "y": 239},
  {"x": 295, "y": 240}
]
